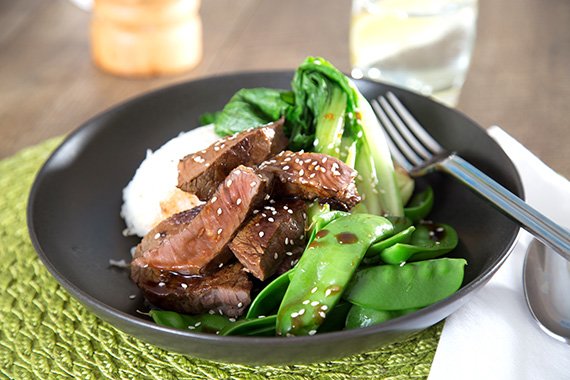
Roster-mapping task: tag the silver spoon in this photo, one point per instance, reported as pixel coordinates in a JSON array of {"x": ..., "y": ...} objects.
[{"x": 546, "y": 281}]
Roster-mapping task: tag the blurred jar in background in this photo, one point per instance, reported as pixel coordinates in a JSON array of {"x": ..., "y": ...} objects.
[
  {"x": 146, "y": 37},
  {"x": 423, "y": 45}
]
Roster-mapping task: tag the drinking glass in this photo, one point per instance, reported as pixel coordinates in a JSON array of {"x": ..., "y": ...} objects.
[{"x": 422, "y": 45}]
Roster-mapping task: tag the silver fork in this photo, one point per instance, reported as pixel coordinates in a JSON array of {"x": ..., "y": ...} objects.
[{"x": 417, "y": 152}]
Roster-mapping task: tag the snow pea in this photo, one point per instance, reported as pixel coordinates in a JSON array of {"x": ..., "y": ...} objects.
[
  {"x": 335, "y": 320},
  {"x": 428, "y": 241},
  {"x": 413, "y": 285},
  {"x": 268, "y": 300},
  {"x": 263, "y": 326},
  {"x": 401, "y": 237},
  {"x": 325, "y": 269},
  {"x": 319, "y": 221},
  {"x": 360, "y": 316},
  {"x": 420, "y": 205},
  {"x": 207, "y": 323}
]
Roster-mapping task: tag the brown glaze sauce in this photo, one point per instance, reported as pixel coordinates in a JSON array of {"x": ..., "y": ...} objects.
[{"x": 346, "y": 238}]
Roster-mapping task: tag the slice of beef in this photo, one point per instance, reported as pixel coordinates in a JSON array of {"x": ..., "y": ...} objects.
[
  {"x": 314, "y": 176},
  {"x": 226, "y": 291},
  {"x": 201, "y": 172},
  {"x": 270, "y": 236},
  {"x": 199, "y": 245}
]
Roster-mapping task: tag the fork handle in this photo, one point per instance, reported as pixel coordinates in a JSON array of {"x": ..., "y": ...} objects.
[{"x": 544, "y": 229}]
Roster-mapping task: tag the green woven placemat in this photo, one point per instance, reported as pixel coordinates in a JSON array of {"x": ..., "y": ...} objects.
[{"x": 45, "y": 333}]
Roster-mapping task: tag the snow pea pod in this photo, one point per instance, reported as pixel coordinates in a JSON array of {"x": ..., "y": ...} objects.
[
  {"x": 401, "y": 237},
  {"x": 360, "y": 316},
  {"x": 208, "y": 323},
  {"x": 264, "y": 326},
  {"x": 420, "y": 205},
  {"x": 428, "y": 241},
  {"x": 268, "y": 300},
  {"x": 325, "y": 269},
  {"x": 413, "y": 285}
]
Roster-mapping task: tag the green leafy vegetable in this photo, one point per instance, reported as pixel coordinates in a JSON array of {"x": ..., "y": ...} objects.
[
  {"x": 420, "y": 205},
  {"x": 250, "y": 108}
]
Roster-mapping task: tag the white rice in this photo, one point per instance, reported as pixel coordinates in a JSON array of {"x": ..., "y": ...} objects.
[{"x": 152, "y": 195}]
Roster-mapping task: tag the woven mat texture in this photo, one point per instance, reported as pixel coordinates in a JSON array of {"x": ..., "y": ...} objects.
[{"x": 45, "y": 333}]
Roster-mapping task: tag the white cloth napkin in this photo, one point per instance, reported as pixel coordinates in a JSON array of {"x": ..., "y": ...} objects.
[{"x": 494, "y": 336}]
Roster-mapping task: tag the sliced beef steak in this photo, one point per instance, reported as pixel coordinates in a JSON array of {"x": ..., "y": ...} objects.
[
  {"x": 270, "y": 236},
  {"x": 201, "y": 172},
  {"x": 226, "y": 291},
  {"x": 314, "y": 176},
  {"x": 199, "y": 246}
]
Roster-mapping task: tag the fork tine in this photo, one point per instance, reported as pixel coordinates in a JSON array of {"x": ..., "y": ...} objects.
[
  {"x": 404, "y": 130},
  {"x": 396, "y": 155},
  {"x": 399, "y": 144},
  {"x": 414, "y": 125}
]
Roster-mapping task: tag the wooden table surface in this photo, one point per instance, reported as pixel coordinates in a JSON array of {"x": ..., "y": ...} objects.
[{"x": 519, "y": 76}]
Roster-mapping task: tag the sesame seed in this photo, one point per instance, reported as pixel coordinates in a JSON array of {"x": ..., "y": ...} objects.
[
  {"x": 328, "y": 292},
  {"x": 285, "y": 207},
  {"x": 266, "y": 197},
  {"x": 219, "y": 211},
  {"x": 314, "y": 290},
  {"x": 324, "y": 160},
  {"x": 305, "y": 216},
  {"x": 231, "y": 319},
  {"x": 157, "y": 236},
  {"x": 216, "y": 148},
  {"x": 211, "y": 312},
  {"x": 252, "y": 184},
  {"x": 272, "y": 201},
  {"x": 229, "y": 182},
  {"x": 275, "y": 255},
  {"x": 183, "y": 285},
  {"x": 191, "y": 327},
  {"x": 221, "y": 265},
  {"x": 312, "y": 175},
  {"x": 301, "y": 172},
  {"x": 161, "y": 284},
  {"x": 324, "y": 307},
  {"x": 214, "y": 198},
  {"x": 221, "y": 312},
  {"x": 312, "y": 332},
  {"x": 287, "y": 159},
  {"x": 439, "y": 229},
  {"x": 294, "y": 315},
  {"x": 286, "y": 240},
  {"x": 240, "y": 304},
  {"x": 290, "y": 211},
  {"x": 219, "y": 231},
  {"x": 301, "y": 312},
  {"x": 315, "y": 303},
  {"x": 289, "y": 253},
  {"x": 286, "y": 167},
  {"x": 306, "y": 302},
  {"x": 261, "y": 233},
  {"x": 323, "y": 170},
  {"x": 316, "y": 142},
  {"x": 273, "y": 212},
  {"x": 238, "y": 202},
  {"x": 257, "y": 224},
  {"x": 307, "y": 160},
  {"x": 264, "y": 215},
  {"x": 132, "y": 296},
  {"x": 197, "y": 324},
  {"x": 271, "y": 220},
  {"x": 322, "y": 314},
  {"x": 294, "y": 262},
  {"x": 254, "y": 211}
]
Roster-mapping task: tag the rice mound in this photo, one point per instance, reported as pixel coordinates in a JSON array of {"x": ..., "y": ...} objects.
[{"x": 152, "y": 195}]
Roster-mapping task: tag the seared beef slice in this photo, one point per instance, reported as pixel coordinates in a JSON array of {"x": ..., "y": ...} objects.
[
  {"x": 270, "y": 236},
  {"x": 226, "y": 291},
  {"x": 201, "y": 172},
  {"x": 314, "y": 176},
  {"x": 199, "y": 246}
]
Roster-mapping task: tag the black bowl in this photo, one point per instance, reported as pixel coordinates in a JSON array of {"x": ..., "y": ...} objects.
[{"x": 74, "y": 222}]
